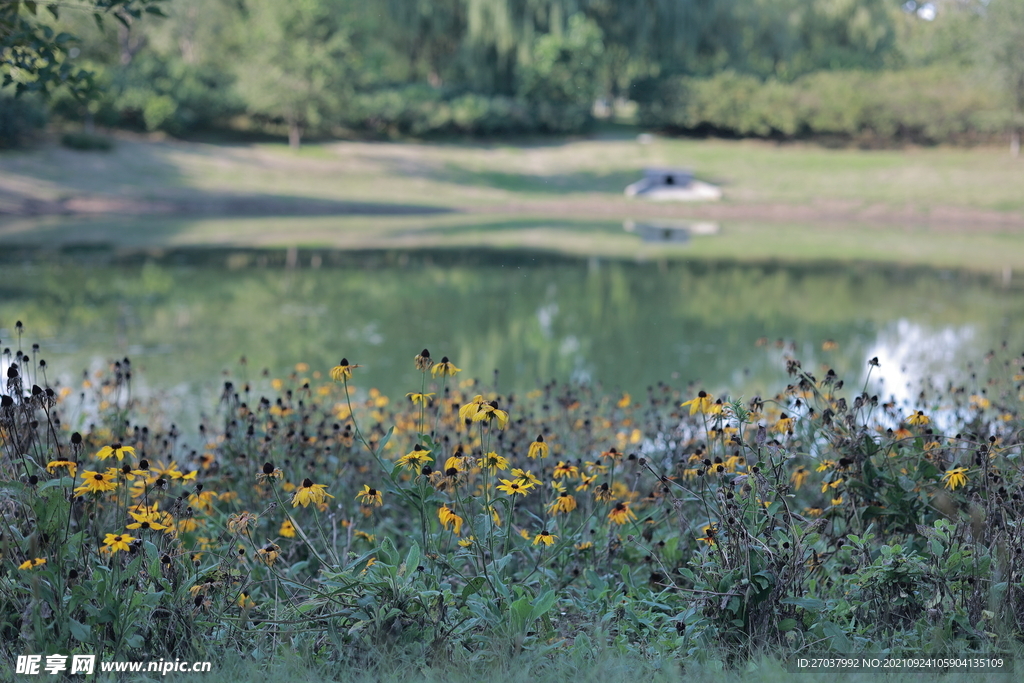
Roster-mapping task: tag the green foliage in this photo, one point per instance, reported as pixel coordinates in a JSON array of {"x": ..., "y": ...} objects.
[
  {"x": 20, "y": 118},
  {"x": 84, "y": 141},
  {"x": 34, "y": 57},
  {"x": 922, "y": 105}
]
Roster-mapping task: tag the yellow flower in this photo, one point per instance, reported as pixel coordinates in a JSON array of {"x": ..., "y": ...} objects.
[
  {"x": 825, "y": 486},
  {"x": 450, "y": 519},
  {"x": 585, "y": 481},
  {"x": 980, "y": 402},
  {"x": 244, "y": 601},
  {"x": 309, "y": 492},
  {"x": 545, "y": 538},
  {"x": 114, "y": 542},
  {"x": 955, "y": 478},
  {"x": 538, "y": 449},
  {"x": 420, "y": 399},
  {"x": 918, "y": 419},
  {"x": 32, "y": 564},
  {"x": 494, "y": 462},
  {"x": 701, "y": 404},
  {"x": 621, "y": 514},
  {"x": 469, "y": 411},
  {"x": 526, "y": 475},
  {"x": 466, "y": 542},
  {"x": 369, "y": 538},
  {"x": 710, "y": 532},
  {"x": 116, "y": 450},
  {"x": 342, "y": 372},
  {"x": 585, "y": 545},
  {"x": 490, "y": 411},
  {"x": 520, "y": 486},
  {"x": 444, "y": 369},
  {"x": 625, "y": 401},
  {"x": 151, "y": 521},
  {"x": 829, "y": 345},
  {"x": 415, "y": 458},
  {"x": 287, "y": 529},
  {"x": 95, "y": 482},
  {"x": 54, "y": 464},
  {"x": 798, "y": 477},
  {"x": 370, "y": 496},
  {"x": 784, "y": 425},
  {"x": 268, "y": 554},
  {"x": 564, "y": 469},
  {"x": 564, "y": 503}
]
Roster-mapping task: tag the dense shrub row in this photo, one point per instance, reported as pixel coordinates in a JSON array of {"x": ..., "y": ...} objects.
[{"x": 921, "y": 105}]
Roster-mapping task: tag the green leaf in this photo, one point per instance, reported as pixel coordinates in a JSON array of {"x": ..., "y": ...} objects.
[
  {"x": 473, "y": 586},
  {"x": 809, "y": 604},
  {"x": 840, "y": 643},
  {"x": 787, "y": 625},
  {"x": 542, "y": 604},
  {"x": 79, "y": 631}
]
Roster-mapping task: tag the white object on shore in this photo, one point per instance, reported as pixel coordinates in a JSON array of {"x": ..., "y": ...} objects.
[{"x": 673, "y": 184}]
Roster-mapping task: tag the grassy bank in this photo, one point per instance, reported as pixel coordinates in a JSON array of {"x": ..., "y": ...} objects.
[{"x": 935, "y": 206}]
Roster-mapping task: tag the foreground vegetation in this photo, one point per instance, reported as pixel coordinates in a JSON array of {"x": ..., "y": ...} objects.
[{"x": 455, "y": 529}]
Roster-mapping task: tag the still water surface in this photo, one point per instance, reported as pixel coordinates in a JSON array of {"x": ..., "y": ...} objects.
[{"x": 186, "y": 317}]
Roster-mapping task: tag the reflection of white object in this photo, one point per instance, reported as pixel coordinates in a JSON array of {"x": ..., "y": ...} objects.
[
  {"x": 927, "y": 11},
  {"x": 669, "y": 231},
  {"x": 672, "y": 184}
]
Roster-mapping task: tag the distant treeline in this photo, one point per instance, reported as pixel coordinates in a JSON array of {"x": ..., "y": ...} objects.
[{"x": 853, "y": 68}]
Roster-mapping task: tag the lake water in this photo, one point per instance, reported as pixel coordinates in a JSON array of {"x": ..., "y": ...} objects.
[{"x": 184, "y": 317}]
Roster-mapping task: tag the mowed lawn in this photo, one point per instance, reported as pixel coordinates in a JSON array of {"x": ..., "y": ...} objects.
[{"x": 949, "y": 207}]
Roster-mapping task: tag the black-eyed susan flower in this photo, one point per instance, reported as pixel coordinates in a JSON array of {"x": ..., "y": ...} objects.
[
  {"x": 469, "y": 410},
  {"x": 565, "y": 469},
  {"x": 955, "y": 478},
  {"x": 32, "y": 564},
  {"x": 544, "y": 537},
  {"x": 268, "y": 554},
  {"x": 493, "y": 462},
  {"x": 96, "y": 482},
  {"x": 466, "y": 542},
  {"x": 114, "y": 542},
  {"x": 114, "y": 450},
  {"x": 370, "y": 497},
  {"x": 603, "y": 493},
  {"x": 825, "y": 486},
  {"x": 612, "y": 454},
  {"x": 710, "y": 534},
  {"x": 621, "y": 514},
  {"x": 148, "y": 522},
  {"x": 450, "y": 519},
  {"x": 798, "y": 477},
  {"x": 309, "y": 492},
  {"x": 512, "y": 487},
  {"x": 488, "y": 412},
  {"x": 268, "y": 472},
  {"x": 526, "y": 475},
  {"x": 584, "y": 545},
  {"x": 586, "y": 481},
  {"x": 287, "y": 529},
  {"x": 564, "y": 503},
  {"x": 420, "y": 399},
  {"x": 244, "y": 601},
  {"x": 538, "y": 449},
  {"x": 369, "y": 538},
  {"x": 241, "y": 522},
  {"x": 784, "y": 425},
  {"x": 918, "y": 419},
  {"x": 416, "y": 458},
  {"x": 444, "y": 369},
  {"x": 342, "y": 372},
  {"x": 701, "y": 404},
  {"x": 54, "y": 464},
  {"x": 423, "y": 361}
]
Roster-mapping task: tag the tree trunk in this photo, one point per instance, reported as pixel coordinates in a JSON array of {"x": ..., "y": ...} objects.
[{"x": 294, "y": 134}]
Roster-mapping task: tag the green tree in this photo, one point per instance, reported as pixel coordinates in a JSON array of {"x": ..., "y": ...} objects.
[
  {"x": 1005, "y": 40},
  {"x": 295, "y": 62},
  {"x": 34, "y": 57}
]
